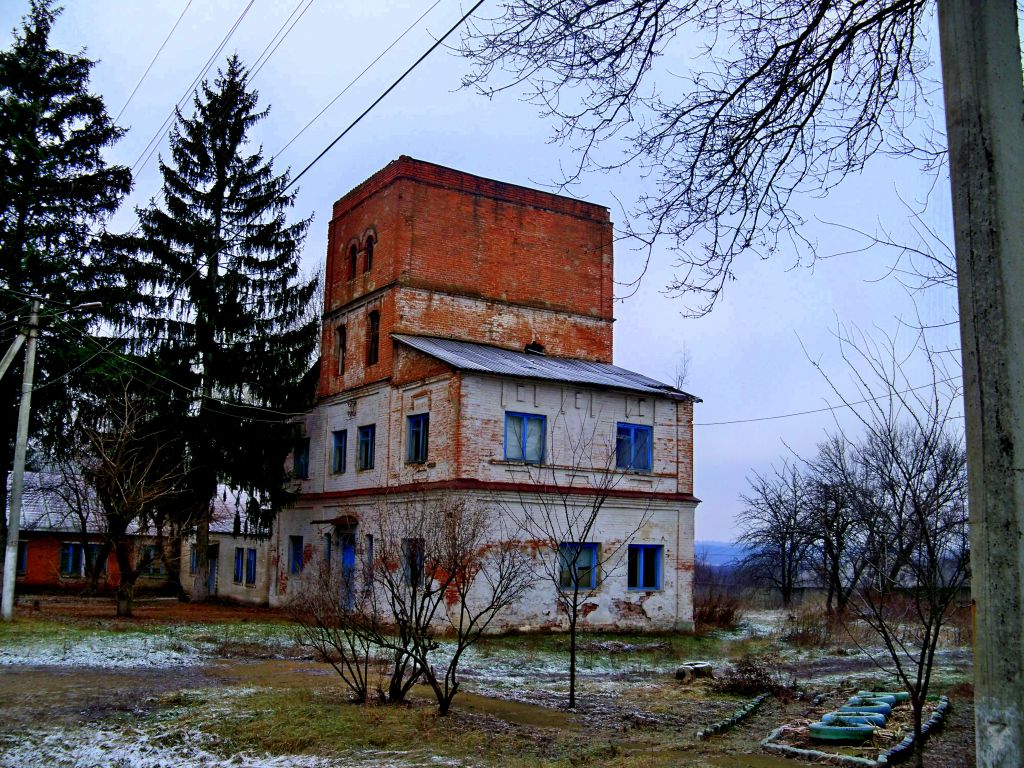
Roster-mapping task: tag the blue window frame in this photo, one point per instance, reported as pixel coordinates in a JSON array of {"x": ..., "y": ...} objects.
[
  {"x": 22, "y": 564},
  {"x": 295, "y": 554},
  {"x": 70, "y": 559},
  {"x": 367, "y": 437},
  {"x": 339, "y": 452},
  {"x": 239, "y": 564},
  {"x": 193, "y": 562},
  {"x": 524, "y": 437},
  {"x": 300, "y": 459},
  {"x": 577, "y": 565},
  {"x": 328, "y": 544},
  {"x": 644, "y": 566},
  {"x": 418, "y": 436},
  {"x": 633, "y": 447},
  {"x": 250, "y": 565}
]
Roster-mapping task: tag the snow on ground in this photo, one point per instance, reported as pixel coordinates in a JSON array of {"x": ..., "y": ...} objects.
[
  {"x": 178, "y": 646},
  {"x": 138, "y": 748}
]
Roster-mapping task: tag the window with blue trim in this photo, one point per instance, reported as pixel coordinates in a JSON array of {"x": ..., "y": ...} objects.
[
  {"x": 239, "y": 564},
  {"x": 644, "y": 566},
  {"x": 71, "y": 559},
  {"x": 419, "y": 427},
  {"x": 340, "y": 450},
  {"x": 22, "y": 558},
  {"x": 250, "y": 566},
  {"x": 633, "y": 447},
  {"x": 300, "y": 459},
  {"x": 193, "y": 562},
  {"x": 295, "y": 554},
  {"x": 328, "y": 546},
  {"x": 577, "y": 565},
  {"x": 367, "y": 436},
  {"x": 524, "y": 437}
]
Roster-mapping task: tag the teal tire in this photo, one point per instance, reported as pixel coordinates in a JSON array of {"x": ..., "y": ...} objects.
[
  {"x": 846, "y": 718},
  {"x": 861, "y": 709},
  {"x": 841, "y": 734}
]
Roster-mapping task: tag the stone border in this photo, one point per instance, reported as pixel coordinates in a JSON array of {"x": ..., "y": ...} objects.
[
  {"x": 903, "y": 750},
  {"x": 891, "y": 756},
  {"x": 736, "y": 718}
]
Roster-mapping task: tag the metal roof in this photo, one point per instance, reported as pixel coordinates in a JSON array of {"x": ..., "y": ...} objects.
[
  {"x": 482, "y": 358},
  {"x": 50, "y": 504}
]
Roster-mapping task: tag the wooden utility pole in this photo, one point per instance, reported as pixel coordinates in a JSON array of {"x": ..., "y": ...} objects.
[
  {"x": 981, "y": 73},
  {"x": 18, "y": 475}
]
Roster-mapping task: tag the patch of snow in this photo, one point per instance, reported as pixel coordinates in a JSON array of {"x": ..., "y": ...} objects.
[
  {"x": 102, "y": 650},
  {"x": 138, "y": 748}
]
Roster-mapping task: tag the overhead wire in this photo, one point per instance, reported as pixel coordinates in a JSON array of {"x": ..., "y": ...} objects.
[
  {"x": 388, "y": 90},
  {"x": 357, "y": 78},
  {"x": 159, "y": 50}
]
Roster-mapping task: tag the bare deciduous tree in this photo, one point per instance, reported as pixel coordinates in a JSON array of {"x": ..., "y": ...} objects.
[
  {"x": 775, "y": 528},
  {"x": 917, "y": 560},
  {"x": 130, "y": 464},
  {"x": 442, "y": 567},
  {"x": 791, "y": 97},
  {"x": 444, "y": 564},
  {"x": 562, "y": 518}
]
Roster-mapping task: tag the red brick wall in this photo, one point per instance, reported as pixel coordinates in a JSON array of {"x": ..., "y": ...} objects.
[
  {"x": 539, "y": 266},
  {"x": 42, "y": 564}
]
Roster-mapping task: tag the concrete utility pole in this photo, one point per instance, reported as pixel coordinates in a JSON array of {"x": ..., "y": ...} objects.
[
  {"x": 18, "y": 475},
  {"x": 981, "y": 73}
]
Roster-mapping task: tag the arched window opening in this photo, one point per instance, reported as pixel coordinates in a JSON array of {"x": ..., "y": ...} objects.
[
  {"x": 373, "y": 338},
  {"x": 369, "y": 254},
  {"x": 353, "y": 254}
]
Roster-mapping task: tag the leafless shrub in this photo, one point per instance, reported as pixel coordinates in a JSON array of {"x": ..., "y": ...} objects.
[{"x": 754, "y": 674}]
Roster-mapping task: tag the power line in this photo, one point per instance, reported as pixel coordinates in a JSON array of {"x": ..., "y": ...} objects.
[
  {"x": 356, "y": 79},
  {"x": 381, "y": 98},
  {"x": 832, "y": 408},
  {"x": 258, "y": 65},
  {"x": 154, "y": 142},
  {"x": 151, "y": 63}
]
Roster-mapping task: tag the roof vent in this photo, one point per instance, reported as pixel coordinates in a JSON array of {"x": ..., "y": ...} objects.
[{"x": 534, "y": 348}]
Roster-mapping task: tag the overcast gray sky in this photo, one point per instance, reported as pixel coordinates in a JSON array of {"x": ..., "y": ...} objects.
[{"x": 748, "y": 358}]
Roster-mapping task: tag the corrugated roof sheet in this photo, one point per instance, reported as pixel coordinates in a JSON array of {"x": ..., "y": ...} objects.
[{"x": 482, "y": 358}]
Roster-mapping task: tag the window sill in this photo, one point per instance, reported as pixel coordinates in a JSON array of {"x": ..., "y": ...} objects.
[{"x": 648, "y": 590}]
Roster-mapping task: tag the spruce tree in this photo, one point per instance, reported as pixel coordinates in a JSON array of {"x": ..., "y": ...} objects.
[
  {"x": 229, "y": 311},
  {"x": 56, "y": 190}
]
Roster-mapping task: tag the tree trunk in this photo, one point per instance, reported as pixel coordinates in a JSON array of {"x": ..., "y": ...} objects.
[
  {"x": 201, "y": 582},
  {"x": 125, "y": 594},
  {"x": 572, "y": 653}
]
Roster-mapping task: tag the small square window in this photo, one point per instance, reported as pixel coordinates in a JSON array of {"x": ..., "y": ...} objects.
[
  {"x": 577, "y": 565},
  {"x": 295, "y": 563},
  {"x": 367, "y": 436},
  {"x": 339, "y": 452},
  {"x": 524, "y": 437},
  {"x": 300, "y": 459},
  {"x": 644, "y": 566},
  {"x": 250, "y": 566},
  {"x": 419, "y": 425},
  {"x": 633, "y": 447}
]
